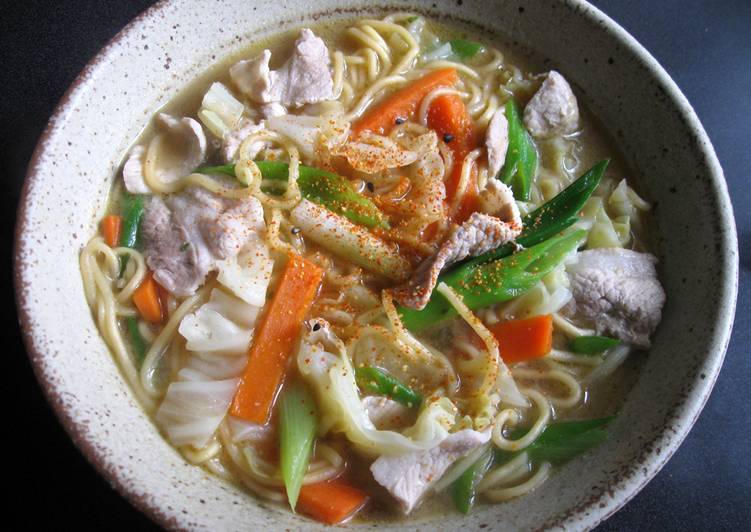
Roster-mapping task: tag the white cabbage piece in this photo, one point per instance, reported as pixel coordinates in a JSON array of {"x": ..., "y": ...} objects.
[
  {"x": 208, "y": 330},
  {"x": 218, "y": 334},
  {"x": 310, "y": 132},
  {"x": 220, "y": 111},
  {"x": 323, "y": 362},
  {"x": 248, "y": 273},
  {"x": 192, "y": 410},
  {"x": 624, "y": 201},
  {"x": 442, "y": 52},
  {"x": 242, "y": 430},
  {"x": 416, "y": 27},
  {"x": 602, "y": 233}
]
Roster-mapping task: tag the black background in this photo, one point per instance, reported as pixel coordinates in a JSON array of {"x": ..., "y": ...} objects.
[{"x": 704, "y": 45}]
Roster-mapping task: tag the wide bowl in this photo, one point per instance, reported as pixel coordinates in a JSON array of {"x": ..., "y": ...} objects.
[{"x": 143, "y": 67}]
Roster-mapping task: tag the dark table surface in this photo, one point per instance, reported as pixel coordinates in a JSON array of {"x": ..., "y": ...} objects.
[{"x": 705, "y": 45}]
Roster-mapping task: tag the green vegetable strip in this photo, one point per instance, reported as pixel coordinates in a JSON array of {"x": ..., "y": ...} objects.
[
  {"x": 520, "y": 166},
  {"x": 376, "y": 381},
  {"x": 465, "y": 49},
  {"x": 558, "y": 443},
  {"x": 464, "y": 489},
  {"x": 131, "y": 225},
  {"x": 494, "y": 282},
  {"x": 298, "y": 422},
  {"x": 592, "y": 345},
  {"x": 548, "y": 220},
  {"x": 226, "y": 169},
  {"x": 561, "y": 442},
  {"x": 544, "y": 222},
  {"x": 330, "y": 190},
  {"x": 136, "y": 340}
]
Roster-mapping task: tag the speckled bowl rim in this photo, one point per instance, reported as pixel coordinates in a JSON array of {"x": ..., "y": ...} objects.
[{"x": 652, "y": 461}]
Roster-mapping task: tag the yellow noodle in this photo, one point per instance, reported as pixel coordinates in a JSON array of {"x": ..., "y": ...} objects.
[
  {"x": 536, "y": 480},
  {"x": 503, "y": 472},
  {"x": 166, "y": 335},
  {"x": 563, "y": 378},
  {"x": 512, "y": 417}
]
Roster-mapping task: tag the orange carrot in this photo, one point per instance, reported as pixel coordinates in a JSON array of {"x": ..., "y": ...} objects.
[
  {"x": 403, "y": 103},
  {"x": 448, "y": 116},
  {"x": 274, "y": 340},
  {"x": 330, "y": 502},
  {"x": 521, "y": 340},
  {"x": 111, "y": 226},
  {"x": 147, "y": 300}
]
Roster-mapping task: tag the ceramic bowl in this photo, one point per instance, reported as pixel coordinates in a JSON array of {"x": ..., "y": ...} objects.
[{"x": 143, "y": 67}]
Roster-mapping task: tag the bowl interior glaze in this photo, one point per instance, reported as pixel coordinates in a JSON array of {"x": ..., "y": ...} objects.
[{"x": 145, "y": 65}]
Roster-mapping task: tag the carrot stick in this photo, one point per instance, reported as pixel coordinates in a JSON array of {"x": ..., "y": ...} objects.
[
  {"x": 521, "y": 340},
  {"x": 111, "y": 227},
  {"x": 402, "y": 103},
  {"x": 448, "y": 116},
  {"x": 274, "y": 340},
  {"x": 330, "y": 502},
  {"x": 146, "y": 298}
]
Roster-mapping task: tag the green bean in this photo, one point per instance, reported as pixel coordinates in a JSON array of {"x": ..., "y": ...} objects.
[
  {"x": 464, "y": 489},
  {"x": 328, "y": 189},
  {"x": 131, "y": 227},
  {"x": 376, "y": 381},
  {"x": 494, "y": 282},
  {"x": 136, "y": 340},
  {"x": 466, "y": 49},
  {"x": 520, "y": 166},
  {"x": 592, "y": 345},
  {"x": 548, "y": 220},
  {"x": 561, "y": 441}
]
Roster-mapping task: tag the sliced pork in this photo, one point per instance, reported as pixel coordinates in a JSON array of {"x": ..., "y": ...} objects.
[
  {"x": 232, "y": 141},
  {"x": 616, "y": 292},
  {"x": 553, "y": 110},
  {"x": 496, "y": 141},
  {"x": 305, "y": 78},
  {"x": 186, "y": 234},
  {"x": 409, "y": 477},
  {"x": 497, "y": 199},
  {"x": 133, "y": 178},
  {"x": 480, "y": 233}
]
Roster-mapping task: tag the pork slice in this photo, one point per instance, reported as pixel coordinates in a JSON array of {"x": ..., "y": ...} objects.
[
  {"x": 177, "y": 265},
  {"x": 496, "y": 141},
  {"x": 135, "y": 182},
  {"x": 409, "y": 477},
  {"x": 480, "y": 233},
  {"x": 233, "y": 140},
  {"x": 273, "y": 109},
  {"x": 616, "y": 292},
  {"x": 304, "y": 78},
  {"x": 497, "y": 199},
  {"x": 253, "y": 78},
  {"x": 553, "y": 109},
  {"x": 186, "y": 234}
]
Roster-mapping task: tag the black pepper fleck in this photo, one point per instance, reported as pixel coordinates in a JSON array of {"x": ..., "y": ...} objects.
[
  {"x": 448, "y": 137},
  {"x": 399, "y": 120},
  {"x": 371, "y": 186},
  {"x": 317, "y": 326}
]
